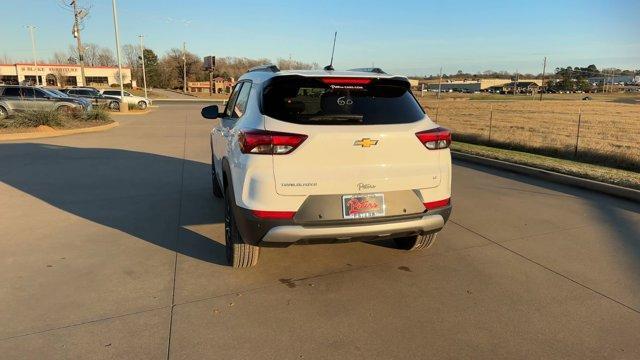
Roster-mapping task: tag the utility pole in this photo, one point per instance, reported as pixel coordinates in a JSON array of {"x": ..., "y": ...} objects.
[
  {"x": 33, "y": 49},
  {"x": 78, "y": 15},
  {"x": 144, "y": 73},
  {"x": 544, "y": 68},
  {"x": 439, "y": 83},
  {"x": 184, "y": 64},
  {"x": 124, "y": 107},
  {"x": 613, "y": 77}
]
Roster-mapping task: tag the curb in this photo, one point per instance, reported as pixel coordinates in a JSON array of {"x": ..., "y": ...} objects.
[
  {"x": 131, "y": 113},
  {"x": 38, "y": 135},
  {"x": 615, "y": 190},
  {"x": 194, "y": 100}
]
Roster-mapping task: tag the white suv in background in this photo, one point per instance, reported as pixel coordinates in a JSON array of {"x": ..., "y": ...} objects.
[
  {"x": 327, "y": 156},
  {"x": 139, "y": 101}
]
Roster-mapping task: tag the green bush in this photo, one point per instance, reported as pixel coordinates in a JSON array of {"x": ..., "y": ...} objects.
[
  {"x": 36, "y": 118},
  {"x": 52, "y": 118},
  {"x": 96, "y": 114}
]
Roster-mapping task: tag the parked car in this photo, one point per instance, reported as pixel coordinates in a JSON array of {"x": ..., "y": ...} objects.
[
  {"x": 86, "y": 103},
  {"x": 139, "y": 101},
  {"x": 96, "y": 98},
  {"x": 324, "y": 156},
  {"x": 16, "y": 98}
]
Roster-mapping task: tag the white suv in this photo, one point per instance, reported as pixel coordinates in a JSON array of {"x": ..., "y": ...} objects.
[{"x": 327, "y": 156}]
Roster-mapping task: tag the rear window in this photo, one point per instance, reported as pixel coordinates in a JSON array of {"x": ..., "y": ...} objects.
[{"x": 340, "y": 101}]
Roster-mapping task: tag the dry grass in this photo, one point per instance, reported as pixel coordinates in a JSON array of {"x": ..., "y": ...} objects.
[
  {"x": 605, "y": 174},
  {"x": 609, "y": 132}
]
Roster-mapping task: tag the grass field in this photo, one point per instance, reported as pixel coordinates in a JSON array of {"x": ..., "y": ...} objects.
[
  {"x": 604, "y": 131},
  {"x": 626, "y": 178}
]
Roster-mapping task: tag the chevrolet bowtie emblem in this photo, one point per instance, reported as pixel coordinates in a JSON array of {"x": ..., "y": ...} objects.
[{"x": 365, "y": 142}]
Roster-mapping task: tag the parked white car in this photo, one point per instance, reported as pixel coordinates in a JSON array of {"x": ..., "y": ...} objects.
[
  {"x": 139, "y": 101},
  {"x": 325, "y": 156}
]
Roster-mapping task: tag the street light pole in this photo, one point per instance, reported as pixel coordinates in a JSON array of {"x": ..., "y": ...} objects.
[
  {"x": 123, "y": 106},
  {"x": 33, "y": 49},
  {"x": 184, "y": 63},
  {"x": 144, "y": 73}
]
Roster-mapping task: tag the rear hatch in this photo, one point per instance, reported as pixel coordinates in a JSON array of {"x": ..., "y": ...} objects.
[{"x": 361, "y": 136}]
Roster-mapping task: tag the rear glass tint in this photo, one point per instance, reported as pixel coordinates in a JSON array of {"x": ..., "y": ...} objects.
[{"x": 304, "y": 100}]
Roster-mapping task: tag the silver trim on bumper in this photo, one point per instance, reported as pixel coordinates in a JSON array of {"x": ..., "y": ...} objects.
[{"x": 294, "y": 233}]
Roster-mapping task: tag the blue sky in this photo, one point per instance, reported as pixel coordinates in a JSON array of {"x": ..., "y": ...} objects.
[{"x": 413, "y": 37}]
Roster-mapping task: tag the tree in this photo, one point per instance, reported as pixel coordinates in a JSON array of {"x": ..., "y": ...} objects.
[
  {"x": 60, "y": 57},
  {"x": 94, "y": 55},
  {"x": 105, "y": 57},
  {"x": 285, "y": 64},
  {"x": 152, "y": 68},
  {"x": 131, "y": 55}
]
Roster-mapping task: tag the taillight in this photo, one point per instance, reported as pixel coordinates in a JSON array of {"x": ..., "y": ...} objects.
[
  {"x": 438, "y": 138},
  {"x": 273, "y": 214},
  {"x": 437, "y": 204},
  {"x": 269, "y": 142},
  {"x": 346, "y": 81}
]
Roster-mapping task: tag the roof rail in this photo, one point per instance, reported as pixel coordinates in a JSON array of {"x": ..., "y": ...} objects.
[
  {"x": 265, "y": 67},
  {"x": 371, "y": 70}
]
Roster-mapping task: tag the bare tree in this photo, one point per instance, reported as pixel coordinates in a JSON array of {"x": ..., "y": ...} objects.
[
  {"x": 105, "y": 57},
  {"x": 286, "y": 64},
  {"x": 6, "y": 59},
  {"x": 91, "y": 54},
  {"x": 132, "y": 56},
  {"x": 60, "y": 57}
]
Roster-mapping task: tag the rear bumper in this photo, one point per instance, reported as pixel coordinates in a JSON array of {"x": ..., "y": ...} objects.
[
  {"x": 265, "y": 232},
  {"x": 294, "y": 233}
]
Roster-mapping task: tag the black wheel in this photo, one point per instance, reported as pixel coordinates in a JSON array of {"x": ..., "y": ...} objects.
[
  {"x": 239, "y": 254},
  {"x": 64, "y": 109},
  {"x": 416, "y": 242},
  {"x": 114, "y": 105},
  {"x": 3, "y": 113},
  {"x": 142, "y": 105}
]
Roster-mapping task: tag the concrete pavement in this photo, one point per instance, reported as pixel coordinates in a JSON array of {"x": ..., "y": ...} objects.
[{"x": 112, "y": 247}]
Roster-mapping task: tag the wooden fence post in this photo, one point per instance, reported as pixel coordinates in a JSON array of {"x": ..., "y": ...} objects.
[
  {"x": 575, "y": 152},
  {"x": 490, "y": 122}
]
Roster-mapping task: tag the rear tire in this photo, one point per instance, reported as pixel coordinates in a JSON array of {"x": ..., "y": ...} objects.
[
  {"x": 416, "y": 242},
  {"x": 239, "y": 254},
  {"x": 142, "y": 105},
  {"x": 3, "y": 113},
  {"x": 64, "y": 109},
  {"x": 114, "y": 105}
]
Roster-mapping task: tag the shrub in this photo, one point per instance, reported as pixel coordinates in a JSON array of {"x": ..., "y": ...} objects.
[
  {"x": 97, "y": 114},
  {"x": 37, "y": 118},
  {"x": 30, "y": 119}
]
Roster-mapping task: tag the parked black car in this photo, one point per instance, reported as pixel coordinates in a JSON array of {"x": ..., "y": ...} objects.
[{"x": 95, "y": 96}]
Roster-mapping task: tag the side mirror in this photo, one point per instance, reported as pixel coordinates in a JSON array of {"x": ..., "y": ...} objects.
[{"x": 210, "y": 112}]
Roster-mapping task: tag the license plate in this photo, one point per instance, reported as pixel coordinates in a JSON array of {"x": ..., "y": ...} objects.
[{"x": 362, "y": 206}]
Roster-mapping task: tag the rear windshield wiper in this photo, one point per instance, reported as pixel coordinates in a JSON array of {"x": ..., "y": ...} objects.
[{"x": 335, "y": 118}]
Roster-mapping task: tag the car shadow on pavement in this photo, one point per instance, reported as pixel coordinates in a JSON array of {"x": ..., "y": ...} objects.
[{"x": 156, "y": 198}]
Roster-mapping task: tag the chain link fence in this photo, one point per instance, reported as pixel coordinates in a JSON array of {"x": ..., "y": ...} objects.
[{"x": 603, "y": 133}]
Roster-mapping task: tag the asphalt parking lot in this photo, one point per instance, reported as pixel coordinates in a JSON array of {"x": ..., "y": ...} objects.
[{"x": 111, "y": 246}]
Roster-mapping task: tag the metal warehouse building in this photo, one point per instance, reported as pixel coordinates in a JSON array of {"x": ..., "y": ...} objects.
[
  {"x": 62, "y": 75},
  {"x": 475, "y": 85}
]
